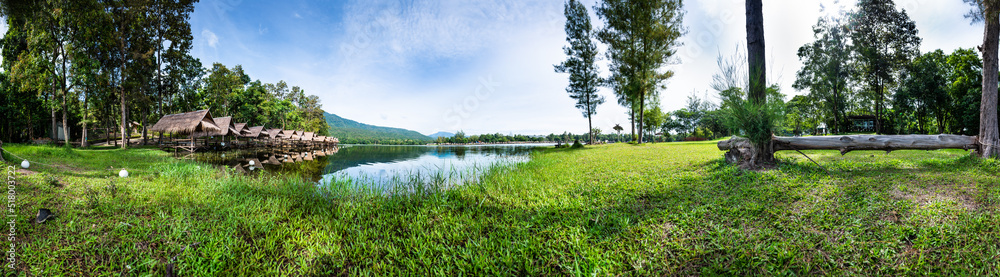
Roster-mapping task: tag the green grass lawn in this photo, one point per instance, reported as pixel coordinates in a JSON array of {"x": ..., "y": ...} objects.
[{"x": 662, "y": 209}]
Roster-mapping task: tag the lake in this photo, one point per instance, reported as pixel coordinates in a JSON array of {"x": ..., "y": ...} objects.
[{"x": 377, "y": 166}]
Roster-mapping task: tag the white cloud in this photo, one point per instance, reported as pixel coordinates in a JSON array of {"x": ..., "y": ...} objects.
[
  {"x": 408, "y": 63},
  {"x": 297, "y": 15},
  {"x": 210, "y": 38}
]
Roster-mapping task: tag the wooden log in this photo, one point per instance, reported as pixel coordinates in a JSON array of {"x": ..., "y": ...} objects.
[{"x": 850, "y": 143}]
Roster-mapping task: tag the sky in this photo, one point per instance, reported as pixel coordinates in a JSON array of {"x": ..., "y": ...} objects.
[{"x": 487, "y": 66}]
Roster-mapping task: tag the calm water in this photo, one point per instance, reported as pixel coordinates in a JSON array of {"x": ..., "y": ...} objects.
[{"x": 379, "y": 165}]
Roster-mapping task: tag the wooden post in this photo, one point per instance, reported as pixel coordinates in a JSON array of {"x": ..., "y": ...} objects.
[{"x": 1, "y": 152}]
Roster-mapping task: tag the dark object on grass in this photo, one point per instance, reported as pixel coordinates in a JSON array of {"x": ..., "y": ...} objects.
[
  {"x": 170, "y": 271},
  {"x": 43, "y": 215},
  {"x": 577, "y": 144}
]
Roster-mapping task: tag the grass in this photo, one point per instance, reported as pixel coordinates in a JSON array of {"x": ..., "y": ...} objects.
[{"x": 661, "y": 209}]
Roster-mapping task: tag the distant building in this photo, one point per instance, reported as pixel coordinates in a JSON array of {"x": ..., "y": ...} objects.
[{"x": 862, "y": 123}]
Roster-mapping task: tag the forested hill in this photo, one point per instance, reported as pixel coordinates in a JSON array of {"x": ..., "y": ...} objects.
[{"x": 353, "y": 132}]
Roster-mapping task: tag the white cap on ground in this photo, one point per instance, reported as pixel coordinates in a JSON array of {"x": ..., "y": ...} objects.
[
  {"x": 25, "y": 164},
  {"x": 123, "y": 173}
]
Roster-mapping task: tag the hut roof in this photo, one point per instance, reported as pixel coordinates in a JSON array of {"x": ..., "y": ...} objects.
[
  {"x": 319, "y": 138},
  {"x": 290, "y": 134},
  {"x": 308, "y": 136},
  {"x": 186, "y": 123},
  {"x": 274, "y": 133},
  {"x": 241, "y": 129},
  {"x": 225, "y": 124},
  {"x": 257, "y": 131}
]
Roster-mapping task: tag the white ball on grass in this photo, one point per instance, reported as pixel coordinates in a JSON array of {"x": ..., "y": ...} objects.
[
  {"x": 25, "y": 164},
  {"x": 123, "y": 173},
  {"x": 251, "y": 162}
]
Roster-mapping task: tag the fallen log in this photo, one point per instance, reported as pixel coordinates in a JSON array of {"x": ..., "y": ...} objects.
[{"x": 850, "y": 143}]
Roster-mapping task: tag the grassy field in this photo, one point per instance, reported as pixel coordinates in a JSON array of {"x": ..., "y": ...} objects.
[{"x": 663, "y": 209}]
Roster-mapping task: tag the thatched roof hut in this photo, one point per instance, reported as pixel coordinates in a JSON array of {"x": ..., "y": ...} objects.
[
  {"x": 290, "y": 134},
  {"x": 257, "y": 132},
  {"x": 320, "y": 138},
  {"x": 186, "y": 123},
  {"x": 225, "y": 128},
  {"x": 275, "y": 133},
  {"x": 308, "y": 136},
  {"x": 241, "y": 129}
]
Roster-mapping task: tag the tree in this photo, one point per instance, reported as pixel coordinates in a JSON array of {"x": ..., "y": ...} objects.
[
  {"x": 653, "y": 120},
  {"x": 922, "y": 92},
  {"x": 885, "y": 40},
  {"x": 964, "y": 71},
  {"x": 757, "y": 93},
  {"x": 581, "y": 55},
  {"x": 618, "y": 129},
  {"x": 642, "y": 37},
  {"x": 988, "y": 11},
  {"x": 824, "y": 72},
  {"x": 800, "y": 114}
]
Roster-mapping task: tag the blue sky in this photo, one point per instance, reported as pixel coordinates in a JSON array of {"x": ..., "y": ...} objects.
[{"x": 486, "y": 66}]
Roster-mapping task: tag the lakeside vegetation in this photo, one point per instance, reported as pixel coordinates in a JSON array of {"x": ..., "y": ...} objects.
[{"x": 617, "y": 209}]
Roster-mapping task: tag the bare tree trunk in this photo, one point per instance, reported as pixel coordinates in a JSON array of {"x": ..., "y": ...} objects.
[
  {"x": 55, "y": 129},
  {"x": 988, "y": 133},
  {"x": 124, "y": 127},
  {"x": 65, "y": 94},
  {"x": 83, "y": 136},
  {"x": 757, "y": 94},
  {"x": 642, "y": 112},
  {"x": 632, "y": 118},
  {"x": 144, "y": 133},
  {"x": 861, "y": 142}
]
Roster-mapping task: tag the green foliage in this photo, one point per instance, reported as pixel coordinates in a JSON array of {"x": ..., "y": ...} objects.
[
  {"x": 580, "y": 61},
  {"x": 754, "y": 121},
  {"x": 577, "y": 144},
  {"x": 923, "y": 93},
  {"x": 702, "y": 132},
  {"x": 964, "y": 69},
  {"x": 826, "y": 72},
  {"x": 884, "y": 40},
  {"x": 642, "y": 37}
]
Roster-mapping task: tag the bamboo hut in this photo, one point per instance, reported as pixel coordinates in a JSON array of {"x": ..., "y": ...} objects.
[
  {"x": 241, "y": 132},
  {"x": 257, "y": 132},
  {"x": 188, "y": 124},
  {"x": 226, "y": 129},
  {"x": 242, "y": 129},
  {"x": 274, "y": 135},
  {"x": 307, "y": 139}
]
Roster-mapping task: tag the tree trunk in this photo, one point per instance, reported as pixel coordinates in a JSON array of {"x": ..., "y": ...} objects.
[
  {"x": 52, "y": 107},
  {"x": 124, "y": 128},
  {"x": 861, "y": 142},
  {"x": 757, "y": 93},
  {"x": 642, "y": 112},
  {"x": 83, "y": 136},
  {"x": 988, "y": 133},
  {"x": 632, "y": 118},
  {"x": 144, "y": 133},
  {"x": 65, "y": 94}
]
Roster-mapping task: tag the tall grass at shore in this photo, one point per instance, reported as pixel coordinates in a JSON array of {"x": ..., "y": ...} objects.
[{"x": 662, "y": 209}]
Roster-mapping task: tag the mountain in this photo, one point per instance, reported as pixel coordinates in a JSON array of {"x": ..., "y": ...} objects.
[
  {"x": 353, "y": 132},
  {"x": 441, "y": 134}
]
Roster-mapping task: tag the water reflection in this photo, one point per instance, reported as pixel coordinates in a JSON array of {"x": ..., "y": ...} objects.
[{"x": 376, "y": 164}]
